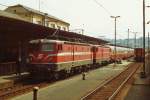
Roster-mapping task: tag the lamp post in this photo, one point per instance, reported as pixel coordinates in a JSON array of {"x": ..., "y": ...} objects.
[
  {"x": 128, "y": 41},
  {"x": 128, "y": 38},
  {"x": 115, "y": 19},
  {"x": 143, "y": 73},
  {"x": 135, "y": 39},
  {"x": 135, "y": 43},
  {"x": 148, "y": 44}
]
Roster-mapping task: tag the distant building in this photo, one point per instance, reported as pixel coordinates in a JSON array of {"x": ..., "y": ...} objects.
[
  {"x": 37, "y": 17},
  {"x": 11, "y": 15}
]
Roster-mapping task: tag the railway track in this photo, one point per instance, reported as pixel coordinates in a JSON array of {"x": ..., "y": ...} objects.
[
  {"x": 109, "y": 89},
  {"x": 20, "y": 89}
]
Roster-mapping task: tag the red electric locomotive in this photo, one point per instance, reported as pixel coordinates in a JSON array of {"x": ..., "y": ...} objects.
[
  {"x": 53, "y": 58},
  {"x": 101, "y": 54}
]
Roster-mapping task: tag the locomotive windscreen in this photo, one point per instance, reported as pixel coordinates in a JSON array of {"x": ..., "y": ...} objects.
[
  {"x": 47, "y": 47},
  {"x": 41, "y": 47},
  {"x": 34, "y": 47}
]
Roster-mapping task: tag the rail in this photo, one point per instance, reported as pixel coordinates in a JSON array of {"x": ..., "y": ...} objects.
[
  {"x": 109, "y": 89},
  {"x": 18, "y": 90}
]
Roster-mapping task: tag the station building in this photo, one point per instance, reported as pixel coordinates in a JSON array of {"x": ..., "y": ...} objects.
[{"x": 38, "y": 17}]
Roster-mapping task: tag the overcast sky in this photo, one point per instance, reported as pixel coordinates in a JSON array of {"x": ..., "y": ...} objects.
[{"x": 93, "y": 18}]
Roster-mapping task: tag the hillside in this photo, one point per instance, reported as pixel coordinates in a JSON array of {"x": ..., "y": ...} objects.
[{"x": 123, "y": 42}]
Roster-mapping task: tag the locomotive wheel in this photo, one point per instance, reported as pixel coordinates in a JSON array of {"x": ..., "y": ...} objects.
[
  {"x": 56, "y": 76},
  {"x": 63, "y": 74},
  {"x": 80, "y": 69}
]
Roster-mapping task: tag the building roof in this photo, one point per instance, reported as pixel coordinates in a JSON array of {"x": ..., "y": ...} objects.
[
  {"x": 38, "y": 12},
  {"x": 10, "y": 33}
]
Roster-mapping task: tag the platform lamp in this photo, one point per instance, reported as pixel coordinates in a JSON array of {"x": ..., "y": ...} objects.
[
  {"x": 115, "y": 51},
  {"x": 135, "y": 43},
  {"x": 143, "y": 73}
]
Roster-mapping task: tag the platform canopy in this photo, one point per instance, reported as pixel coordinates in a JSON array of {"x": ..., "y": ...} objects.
[{"x": 13, "y": 29}]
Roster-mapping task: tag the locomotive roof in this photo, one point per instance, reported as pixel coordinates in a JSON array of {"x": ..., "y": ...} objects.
[
  {"x": 56, "y": 41},
  {"x": 45, "y": 41}
]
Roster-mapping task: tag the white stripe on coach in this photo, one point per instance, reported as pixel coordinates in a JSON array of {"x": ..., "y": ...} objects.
[{"x": 69, "y": 54}]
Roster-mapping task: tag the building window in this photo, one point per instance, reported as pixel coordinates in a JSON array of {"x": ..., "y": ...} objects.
[
  {"x": 39, "y": 22},
  {"x": 64, "y": 28},
  {"x": 15, "y": 11},
  {"x": 59, "y": 27},
  {"x": 53, "y": 25},
  {"x": 26, "y": 15},
  {"x": 46, "y": 23}
]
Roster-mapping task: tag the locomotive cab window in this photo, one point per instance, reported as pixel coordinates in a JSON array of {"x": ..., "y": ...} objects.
[
  {"x": 34, "y": 47},
  {"x": 47, "y": 47}
]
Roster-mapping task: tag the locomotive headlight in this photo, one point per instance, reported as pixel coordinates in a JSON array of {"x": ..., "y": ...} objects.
[
  {"x": 30, "y": 58},
  {"x": 48, "y": 69},
  {"x": 27, "y": 60}
]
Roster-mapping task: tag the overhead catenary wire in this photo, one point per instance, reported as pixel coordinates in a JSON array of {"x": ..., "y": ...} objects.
[{"x": 108, "y": 12}]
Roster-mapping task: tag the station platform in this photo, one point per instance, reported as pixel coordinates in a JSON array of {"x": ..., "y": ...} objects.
[
  {"x": 140, "y": 89},
  {"x": 8, "y": 81},
  {"x": 75, "y": 88}
]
